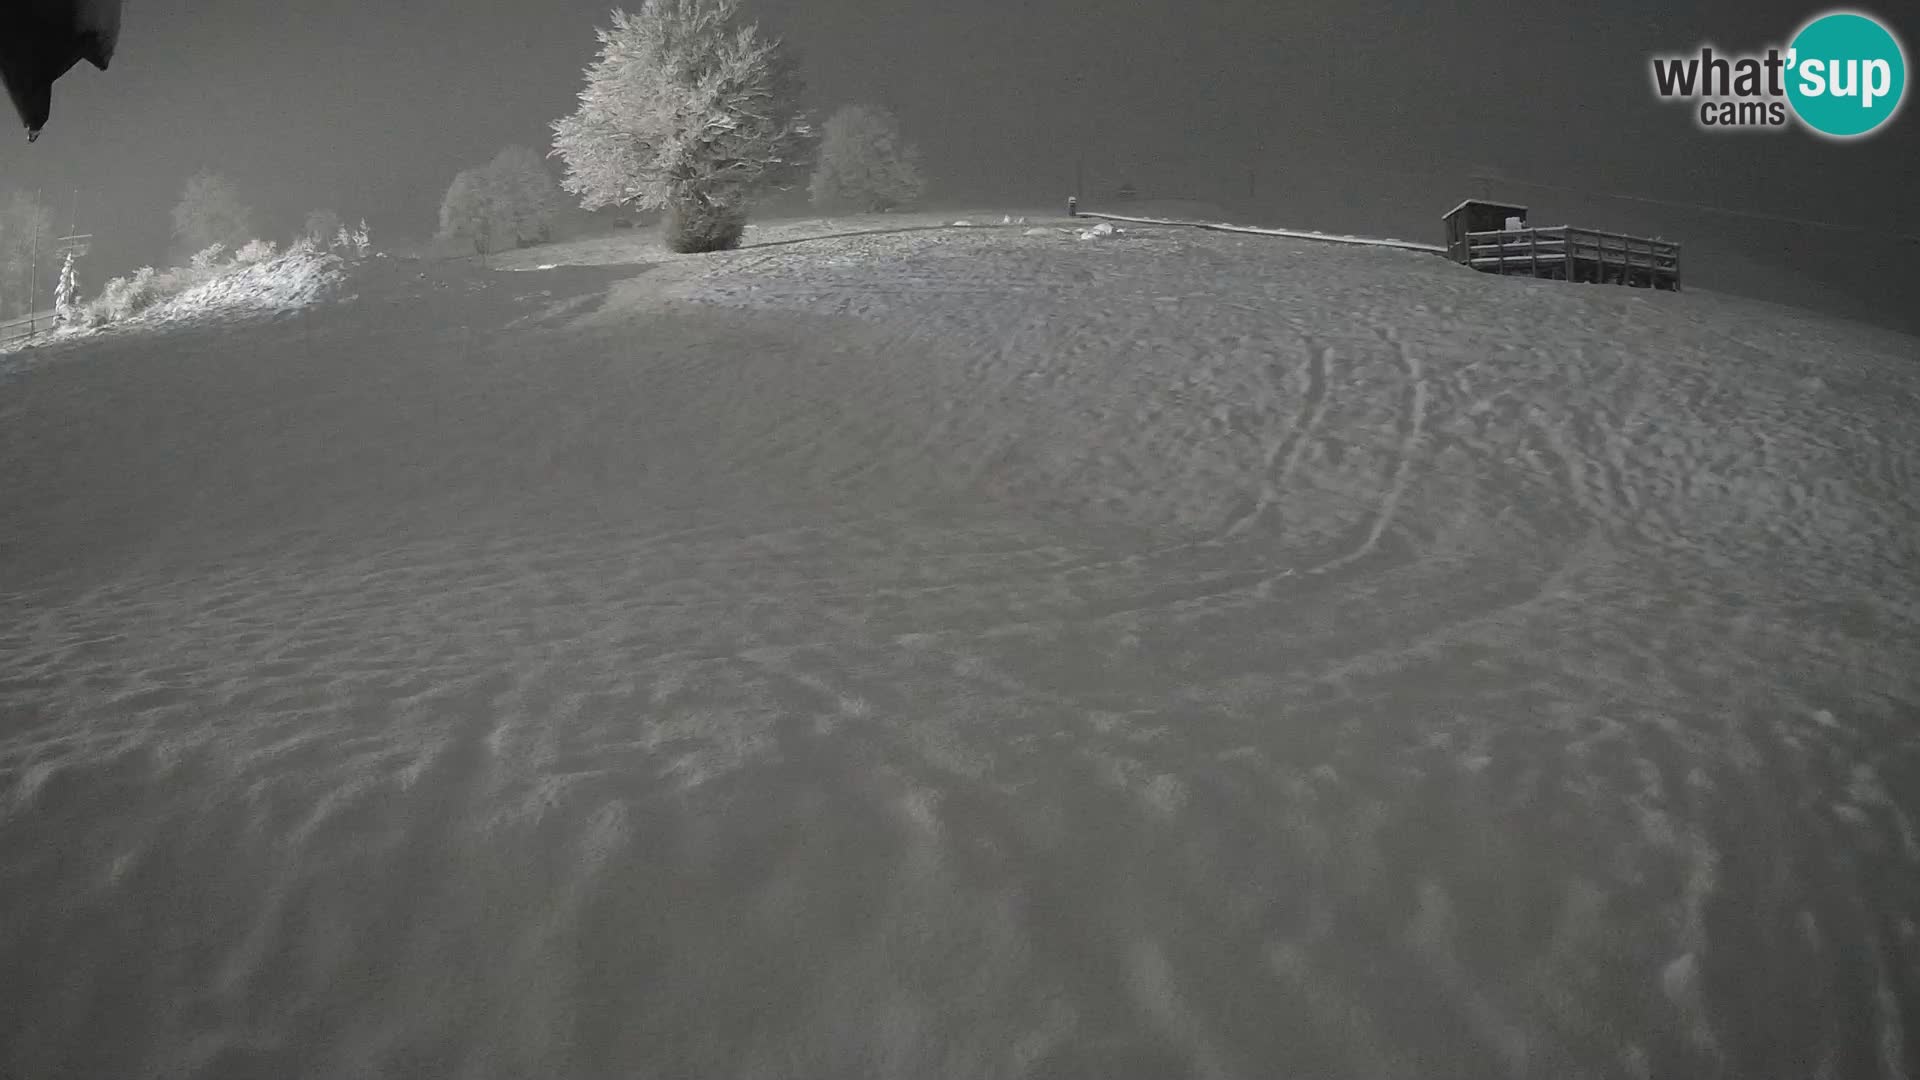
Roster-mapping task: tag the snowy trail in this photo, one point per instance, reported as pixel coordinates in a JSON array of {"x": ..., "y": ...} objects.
[{"x": 965, "y": 654}]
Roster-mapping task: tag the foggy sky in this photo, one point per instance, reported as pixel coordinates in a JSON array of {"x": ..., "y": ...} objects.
[{"x": 1370, "y": 110}]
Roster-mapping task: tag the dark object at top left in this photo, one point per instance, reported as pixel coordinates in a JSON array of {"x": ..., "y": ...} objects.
[{"x": 41, "y": 39}]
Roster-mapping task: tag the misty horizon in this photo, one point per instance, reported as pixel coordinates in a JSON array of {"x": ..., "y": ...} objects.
[{"x": 1350, "y": 117}]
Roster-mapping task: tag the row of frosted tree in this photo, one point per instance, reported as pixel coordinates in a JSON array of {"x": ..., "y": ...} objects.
[{"x": 687, "y": 111}]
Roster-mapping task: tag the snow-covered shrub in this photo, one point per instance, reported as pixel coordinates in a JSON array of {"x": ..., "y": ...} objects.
[
  {"x": 207, "y": 258},
  {"x": 864, "y": 162},
  {"x": 125, "y": 297},
  {"x": 254, "y": 251}
]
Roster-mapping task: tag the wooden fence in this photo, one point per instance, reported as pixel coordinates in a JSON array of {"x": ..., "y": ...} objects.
[
  {"x": 1565, "y": 252},
  {"x": 19, "y": 330}
]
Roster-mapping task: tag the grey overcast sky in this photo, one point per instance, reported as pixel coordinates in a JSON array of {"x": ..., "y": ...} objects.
[{"x": 1355, "y": 114}]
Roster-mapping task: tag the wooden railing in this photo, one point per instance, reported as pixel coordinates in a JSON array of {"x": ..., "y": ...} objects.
[
  {"x": 1574, "y": 253},
  {"x": 25, "y": 326}
]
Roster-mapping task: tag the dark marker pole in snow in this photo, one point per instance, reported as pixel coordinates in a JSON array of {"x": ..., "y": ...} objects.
[{"x": 33, "y": 267}]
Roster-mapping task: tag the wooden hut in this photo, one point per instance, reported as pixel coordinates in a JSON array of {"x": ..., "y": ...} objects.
[{"x": 1478, "y": 215}]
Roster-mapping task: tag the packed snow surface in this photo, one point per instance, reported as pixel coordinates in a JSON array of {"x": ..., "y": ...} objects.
[{"x": 964, "y": 653}]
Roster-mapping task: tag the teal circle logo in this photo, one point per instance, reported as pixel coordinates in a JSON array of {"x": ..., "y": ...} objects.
[{"x": 1847, "y": 74}]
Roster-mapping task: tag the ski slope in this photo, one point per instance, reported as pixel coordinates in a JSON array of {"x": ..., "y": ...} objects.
[{"x": 964, "y": 653}]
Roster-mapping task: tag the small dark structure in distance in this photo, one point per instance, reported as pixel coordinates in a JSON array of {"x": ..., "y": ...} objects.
[{"x": 1495, "y": 238}]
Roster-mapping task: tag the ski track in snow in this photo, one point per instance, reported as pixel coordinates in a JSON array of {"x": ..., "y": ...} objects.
[{"x": 966, "y": 654}]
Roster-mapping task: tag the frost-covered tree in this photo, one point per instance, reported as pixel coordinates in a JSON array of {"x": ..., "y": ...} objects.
[
  {"x": 255, "y": 251},
  {"x": 687, "y": 111},
  {"x": 210, "y": 212},
  {"x": 864, "y": 162},
  {"x": 512, "y": 201},
  {"x": 507, "y": 202},
  {"x": 468, "y": 212},
  {"x": 526, "y": 197}
]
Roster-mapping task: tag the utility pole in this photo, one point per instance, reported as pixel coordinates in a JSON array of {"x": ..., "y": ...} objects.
[
  {"x": 33, "y": 267},
  {"x": 1078, "y": 81}
]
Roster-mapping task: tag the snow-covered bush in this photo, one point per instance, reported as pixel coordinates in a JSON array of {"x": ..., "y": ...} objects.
[
  {"x": 207, "y": 258},
  {"x": 255, "y": 251},
  {"x": 125, "y": 297},
  {"x": 255, "y": 278},
  {"x": 864, "y": 162},
  {"x": 684, "y": 108}
]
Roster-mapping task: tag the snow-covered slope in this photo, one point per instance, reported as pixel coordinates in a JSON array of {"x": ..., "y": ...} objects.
[{"x": 965, "y": 653}]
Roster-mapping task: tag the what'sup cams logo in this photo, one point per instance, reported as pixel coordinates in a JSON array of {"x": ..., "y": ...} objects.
[{"x": 1843, "y": 76}]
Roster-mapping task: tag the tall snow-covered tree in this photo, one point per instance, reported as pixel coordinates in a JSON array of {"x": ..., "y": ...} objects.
[
  {"x": 686, "y": 110},
  {"x": 865, "y": 162},
  {"x": 210, "y": 212},
  {"x": 526, "y": 197},
  {"x": 65, "y": 294},
  {"x": 469, "y": 210}
]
